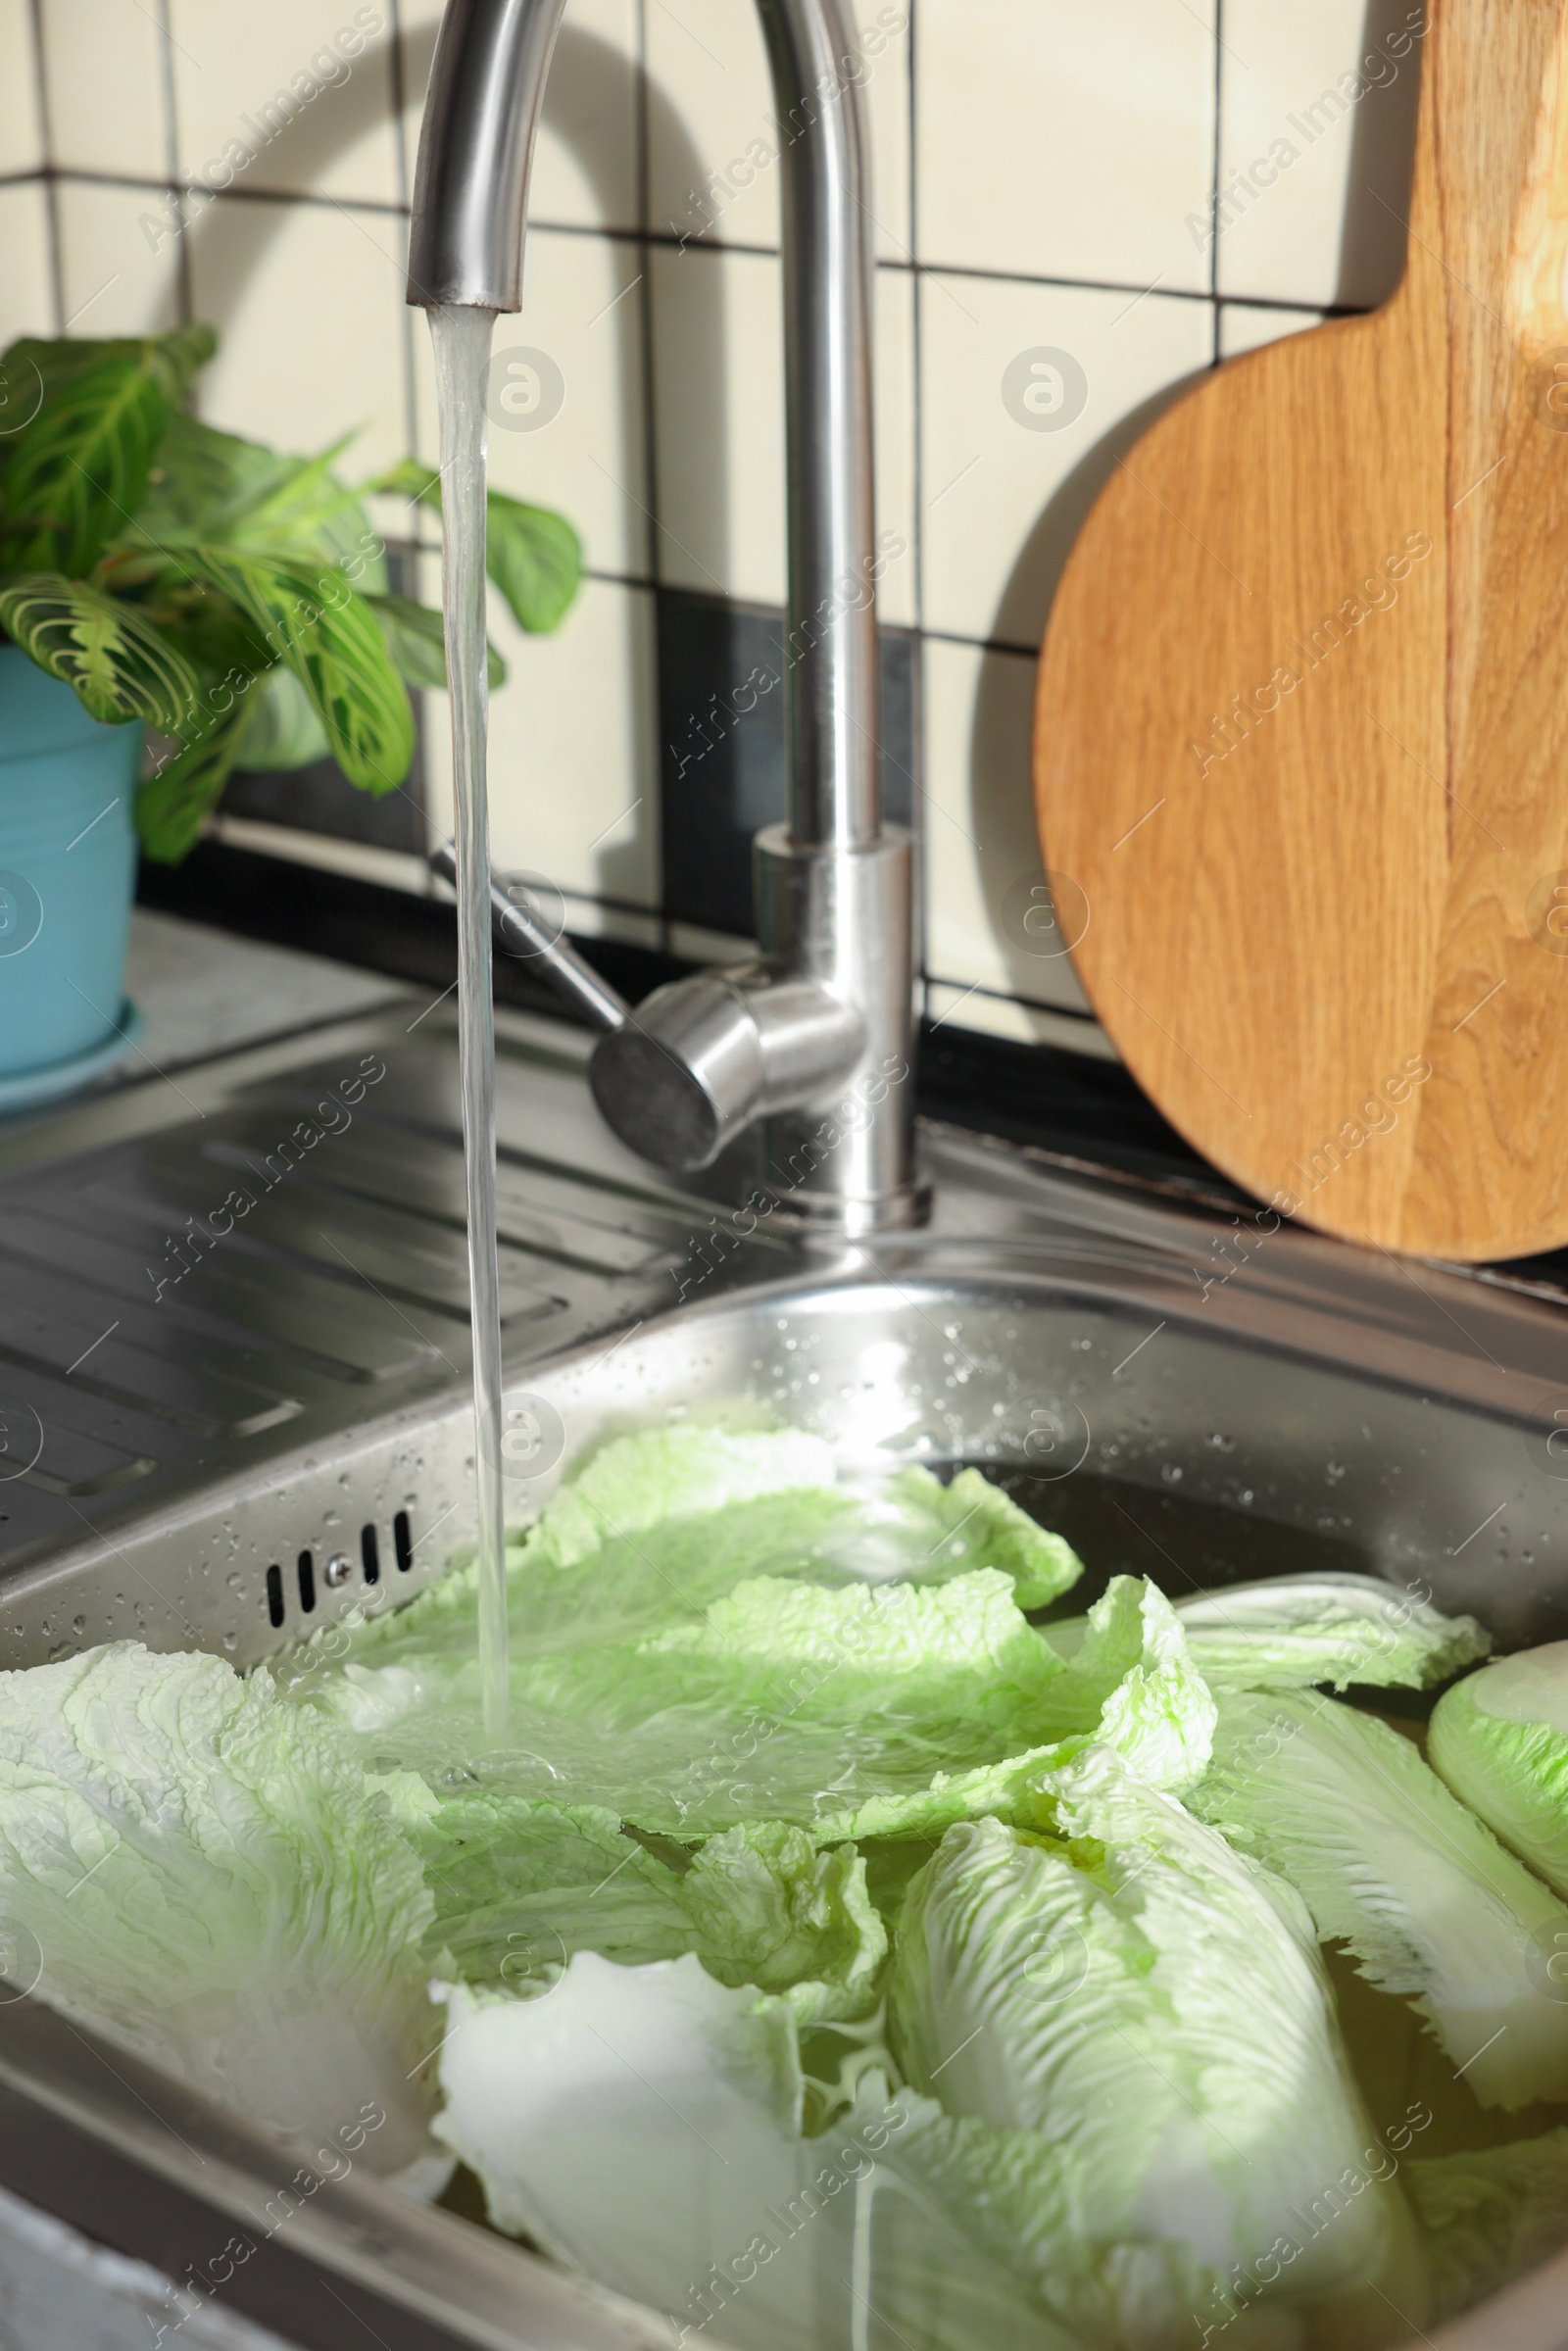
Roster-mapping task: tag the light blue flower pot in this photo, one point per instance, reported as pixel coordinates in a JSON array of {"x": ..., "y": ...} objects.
[{"x": 68, "y": 865}]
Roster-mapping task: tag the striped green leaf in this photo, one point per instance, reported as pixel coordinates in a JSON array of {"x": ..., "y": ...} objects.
[
  {"x": 36, "y": 366},
  {"x": 211, "y": 488},
  {"x": 416, "y": 638},
  {"x": 311, "y": 619},
  {"x": 172, "y": 805},
  {"x": 76, "y": 475},
  {"x": 282, "y": 730},
  {"x": 533, "y": 556},
  {"x": 121, "y": 665}
]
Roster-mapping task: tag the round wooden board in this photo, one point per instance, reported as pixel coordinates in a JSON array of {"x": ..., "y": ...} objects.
[{"x": 1302, "y": 736}]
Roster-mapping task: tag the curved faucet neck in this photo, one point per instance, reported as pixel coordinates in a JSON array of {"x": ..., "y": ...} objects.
[{"x": 471, "y": 194}]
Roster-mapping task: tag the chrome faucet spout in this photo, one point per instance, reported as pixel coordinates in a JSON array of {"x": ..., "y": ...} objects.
[{"x": 835, "y": 888}]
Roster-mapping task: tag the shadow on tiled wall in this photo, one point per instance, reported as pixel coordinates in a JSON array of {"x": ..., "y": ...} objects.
[{"x": 721, "y": 746}]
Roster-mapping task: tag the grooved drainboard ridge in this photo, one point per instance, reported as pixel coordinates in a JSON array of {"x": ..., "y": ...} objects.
[{"x": 157, "y": 1336}]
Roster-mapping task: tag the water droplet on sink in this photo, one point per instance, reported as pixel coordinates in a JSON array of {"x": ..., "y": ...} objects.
[
  {"x": 1334, "y": 1472},
  {"x": 1172, "y": 1473}
]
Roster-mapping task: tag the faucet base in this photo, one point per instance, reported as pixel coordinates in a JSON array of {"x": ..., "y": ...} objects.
[{"x": 841, "y": 1152}]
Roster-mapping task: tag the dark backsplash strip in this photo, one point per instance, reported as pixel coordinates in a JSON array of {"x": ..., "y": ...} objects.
[
  {"x": 355, "y": 921},
  {"x": 721, "y": 687},
  {"x": 1030, "y": 1094},
  {"x": 1067, "y": 1103}
]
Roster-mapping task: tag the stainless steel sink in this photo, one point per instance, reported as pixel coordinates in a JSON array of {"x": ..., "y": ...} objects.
[{"x": 283, "y": 1435}]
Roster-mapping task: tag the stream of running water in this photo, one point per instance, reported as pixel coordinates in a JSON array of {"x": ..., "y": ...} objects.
[{"x": 461, "y": 339}]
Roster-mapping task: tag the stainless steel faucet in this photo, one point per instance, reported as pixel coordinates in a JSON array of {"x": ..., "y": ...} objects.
[{"x": 815, "y": 1038}]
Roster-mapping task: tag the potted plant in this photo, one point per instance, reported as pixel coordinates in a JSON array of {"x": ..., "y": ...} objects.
[{"x": 176, "y": 602}]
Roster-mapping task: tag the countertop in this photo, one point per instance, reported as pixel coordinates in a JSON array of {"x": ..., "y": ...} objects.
[{"x": 207, "y": 992}]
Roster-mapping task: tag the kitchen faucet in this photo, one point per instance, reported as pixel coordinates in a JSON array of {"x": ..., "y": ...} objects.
[{"x": 816, "y": 1037}]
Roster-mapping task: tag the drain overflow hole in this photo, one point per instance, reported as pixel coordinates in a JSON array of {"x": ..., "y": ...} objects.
[
  {"x": 402, "y": 1540},
  {"x": 275, "y": 1595},
  {"x": 370, "y": 1553},
  {"x": 307, "y": 1582}
]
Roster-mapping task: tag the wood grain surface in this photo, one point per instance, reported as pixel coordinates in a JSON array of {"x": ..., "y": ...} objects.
[{"x": 1301, "y": 733}]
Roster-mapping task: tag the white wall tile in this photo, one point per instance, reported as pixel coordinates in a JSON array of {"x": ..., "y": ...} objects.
[
  {"x": 21, "y": 142},
  {"x": 713, "y": 135},
  {"x": 118, "y": 260},
  {"x": 719, "y": 371},
  {"x": 591, "y": 918},
  {"x": 1248, "y": 328},
  {"x": 951, "y": 1009},
  {"x": 710, "y": 100},
  {"x": 573, "y": 752},
  {"x": 1329, "y": 226},
  {"x": 582, "y": 310},
  {"x": 303, "y": 86},
  {"x": 1054, "y": 142},
  {"x": 394, "y": 870},
  {"x": 982, "y": 852},
  {"x": 308, "y": 299},
  {"x": 26, "y": 287},
  {"x": 897, "y": 596},
  {"x": 105, "y": 71},
  {"x": 885, "y": 98},
  {"x": 585, "y": 164},
  {"x": 719, "y": 393},
  {"x": 1002, "y": 500},
  {"x": 1063, "y": 140}
]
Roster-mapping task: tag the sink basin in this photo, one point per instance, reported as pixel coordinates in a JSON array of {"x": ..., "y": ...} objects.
[{"x": 284, "y": 1436}]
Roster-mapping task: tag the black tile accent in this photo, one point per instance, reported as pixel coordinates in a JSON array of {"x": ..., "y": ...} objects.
[
  {"x": 1072, "y": 1103},
  {"x": 319, "y": 798},
  {"x": 355, "y": 921},
  {"x": 721, "y": 746}
]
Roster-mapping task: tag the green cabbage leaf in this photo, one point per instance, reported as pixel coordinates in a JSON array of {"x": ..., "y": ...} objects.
[
  {"x": 521, "y": 1885},
  {"x": 209, "y": 1879},
  {"x": 1499, "y": 1738},
  {"x": 1071, "y": 2003},
  {"x": 851, "y": 1710},
  {"x": 1392, "y": 1864},
  {"x": 1294, "y": 1631},
  {"x": 646, "y": 2125}
]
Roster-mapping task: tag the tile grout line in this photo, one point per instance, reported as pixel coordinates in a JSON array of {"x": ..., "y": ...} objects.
[
  {"x": 654, "y": 793},
  {"x": 920, "y": 908},
  {"x": 658, "y": 239},
  {"x": 1213, "y": 217},
  {"x": 409, "y": 326},
  {"x": 166, "y": 58},
  {"x": 46, "y": 135}
]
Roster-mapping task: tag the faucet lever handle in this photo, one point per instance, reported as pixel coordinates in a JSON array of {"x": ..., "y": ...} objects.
[{"x": 521, "y": 932}]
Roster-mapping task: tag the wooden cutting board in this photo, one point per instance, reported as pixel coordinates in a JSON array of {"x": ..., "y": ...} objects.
[{"x": 1302, "y": 726}]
